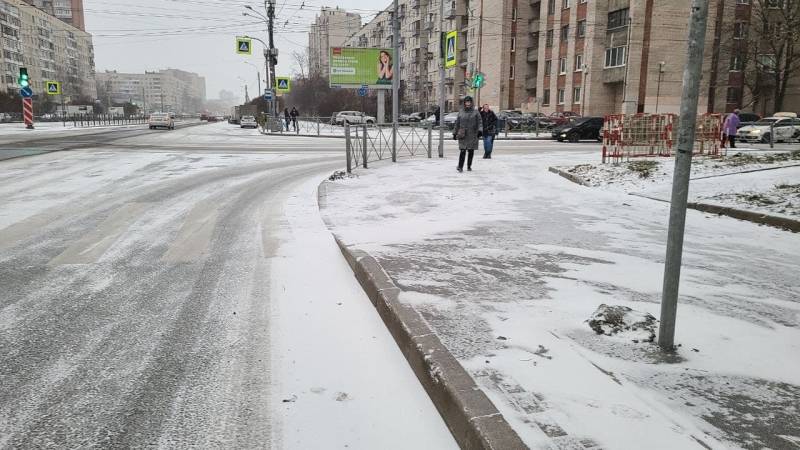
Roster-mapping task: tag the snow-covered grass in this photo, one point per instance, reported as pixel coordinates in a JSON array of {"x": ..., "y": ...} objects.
[
  {"x": 761, "y": 182},
  {"x": 508, "y": 262}
]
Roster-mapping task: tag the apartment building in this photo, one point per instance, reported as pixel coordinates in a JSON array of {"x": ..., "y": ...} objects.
[
  {"x": 69, "y": 11},
  {"x": 165, "y": 90},
  {"x": 594, "y": 57},
  {"x": 331, "y": 28},
  {"x": 49, "y": 48}
]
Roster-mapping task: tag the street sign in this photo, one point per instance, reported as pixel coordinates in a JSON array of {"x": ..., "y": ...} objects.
[
  {"x": 26, "y": 92},
  {"x": 363, "y": 91},
  {"x": 268, "y": 95},
  {"x": 283, "y": 84},
  {"x": 451, "y": 44},
  {"x": 244, "y": 46},
  {"x": 53, "y": 87}
]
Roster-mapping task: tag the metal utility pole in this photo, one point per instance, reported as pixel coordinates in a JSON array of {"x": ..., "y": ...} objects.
[
  {"x": 441, "y": 78},
  {"x": 396, "y": 77},
  {"x": 660, "y": 77},
  {"x": 272, "y": 58},
  {"x": 680, "y": 182}
]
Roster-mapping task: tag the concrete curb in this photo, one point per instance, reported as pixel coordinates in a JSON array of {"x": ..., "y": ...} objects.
[
  {"x": 471, "y": 417},
  {"x": 571, "y": 177},
  {"x": 783, "y": 223}
]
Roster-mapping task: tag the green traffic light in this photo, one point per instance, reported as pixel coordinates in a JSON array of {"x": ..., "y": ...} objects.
[
  {"x": 24, "y": 80},
  {"x": 478, "y": 80}
]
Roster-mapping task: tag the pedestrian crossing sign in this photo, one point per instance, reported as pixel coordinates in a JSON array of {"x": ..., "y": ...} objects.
[
  {"x": 53, "y": 87},
  {"x": 451, "y": 44},
  {"x": 244, "y": 46},
  {"x": 283, "y": 84}
]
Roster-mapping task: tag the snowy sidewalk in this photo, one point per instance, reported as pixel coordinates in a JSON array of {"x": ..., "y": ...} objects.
[{"x": 506, "y": 264}]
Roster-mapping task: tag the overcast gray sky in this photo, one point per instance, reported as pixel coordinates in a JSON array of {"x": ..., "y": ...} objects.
[{"x": 199, "y": 36}]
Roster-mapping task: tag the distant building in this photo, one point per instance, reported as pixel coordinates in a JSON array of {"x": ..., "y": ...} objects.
[
  {"x": 169, "y": 90},
  {"x": 51, "y": 50},
  {"x": 69, "y": 11},
  {"x": 331, "y": 28}
]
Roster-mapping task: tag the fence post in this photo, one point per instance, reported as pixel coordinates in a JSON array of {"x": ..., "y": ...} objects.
[
  {"x": 772, "y": 135},
  {"x": 318, "y": 121},
  {"x": 347, "y": 148},
  {"x": 364, "y": 146},
  {"x": 394, "y": 141},
  {"x": 430, "y": 140}
]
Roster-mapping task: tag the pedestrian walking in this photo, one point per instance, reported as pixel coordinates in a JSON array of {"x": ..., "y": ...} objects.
[
  {"x": 731, "y": 127},
  {"x": 468, "y": 129},
  {"x": 294, "y": 115},
  {"x": 287, "y": 117},
  {"x": 489, "y": 119}
]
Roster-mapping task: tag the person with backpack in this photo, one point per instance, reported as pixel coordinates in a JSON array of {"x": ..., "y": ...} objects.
[
  {"x": 489, "y": 119},
  {"x": 468, "y": 129}
]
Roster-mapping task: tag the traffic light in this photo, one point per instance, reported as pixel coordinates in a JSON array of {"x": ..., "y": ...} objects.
[
  {"x": 478, "y": 80},
  {"x": 24, "y": 80}
]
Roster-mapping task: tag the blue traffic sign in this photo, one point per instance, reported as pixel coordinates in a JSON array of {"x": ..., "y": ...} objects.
[
  {"x": 26, "y": 92},
  {"x": 363, "y": 91},
  {"x": 268, "y": 96}
]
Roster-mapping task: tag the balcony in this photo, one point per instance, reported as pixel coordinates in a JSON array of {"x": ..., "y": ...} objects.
[
  {"x": 450, "y": 12},
  {"x": 530, "y": 82},
  {"x": 449, "y": 81},
  {"x": 417, "y": 3},
  {"x": 534, "y": 26},
  {"x": 533, "y": 55},
  {"x": 430, "y": 26},
  {"x": 463, "y": 58}
]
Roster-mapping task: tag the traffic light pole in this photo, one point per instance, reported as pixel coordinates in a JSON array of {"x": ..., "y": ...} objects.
[
  {"x": 441, "y": 78},
  {"x": 272, "y": 57}
]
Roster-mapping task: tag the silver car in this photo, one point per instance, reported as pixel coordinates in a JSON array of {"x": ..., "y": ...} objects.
[{"x": 785, "y": 128}]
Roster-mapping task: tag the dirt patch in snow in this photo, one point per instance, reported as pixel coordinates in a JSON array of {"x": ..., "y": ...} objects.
[{"x": 781, "y": 199}]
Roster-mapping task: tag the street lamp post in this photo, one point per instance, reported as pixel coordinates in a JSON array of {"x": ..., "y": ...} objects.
[
  {"x": 270, "y": 52},
  {"x": 660, "y": 75}
]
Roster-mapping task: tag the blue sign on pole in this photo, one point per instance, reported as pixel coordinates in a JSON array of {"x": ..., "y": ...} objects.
[
  {"x": 268, "y": 95},
  {"x": 363, "y": 90},
  {"x": 26, "y": 92}
]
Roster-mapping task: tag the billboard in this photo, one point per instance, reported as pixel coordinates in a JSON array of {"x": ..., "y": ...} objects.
[{"x": 357, "y": 67}]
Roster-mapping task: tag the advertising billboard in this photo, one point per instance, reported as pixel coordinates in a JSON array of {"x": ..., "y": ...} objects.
[{"x": 357, "y": 67}]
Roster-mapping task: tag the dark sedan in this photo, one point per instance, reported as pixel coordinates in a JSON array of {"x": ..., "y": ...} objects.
[{"x": 579, "y": 129}]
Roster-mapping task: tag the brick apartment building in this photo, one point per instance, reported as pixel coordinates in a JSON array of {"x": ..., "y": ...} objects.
[{"x": 593, "y": 57}]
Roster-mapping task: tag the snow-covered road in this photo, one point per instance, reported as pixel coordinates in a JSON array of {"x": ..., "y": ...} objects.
[{"x": 178, "y": 293}]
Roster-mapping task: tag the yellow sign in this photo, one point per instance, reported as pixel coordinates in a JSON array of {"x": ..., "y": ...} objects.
[
  {"x": 53, "y": 87},
  {"x": 283, "y": 84},
  {"x": 244, "y": 46},
  {"x": 450, "y": 49}
]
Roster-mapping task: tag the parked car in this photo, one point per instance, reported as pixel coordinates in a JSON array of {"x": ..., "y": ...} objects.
[
  {"x": 161, "y": 120},
  {"x": 353, "y": 117},
  {"x": 211, "y": 118},
  {"x": 786, "y": 127},
  {"x": 579, "y": 129},
  {"x": 430, "y": 120},
  {"x": 748, "y": 118},
  {"x": 562, "y": 117},
  {"x": 5, "y": 117},
  {"x": 511, "y": 119},
  {"x": 449, "y": 120},
  {"x": 248, "y": 122}
]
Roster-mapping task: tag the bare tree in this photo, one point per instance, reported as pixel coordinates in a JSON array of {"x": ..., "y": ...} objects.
[
  {"x": 766, "y": 52},
  {"x": 301, "y": 60}
]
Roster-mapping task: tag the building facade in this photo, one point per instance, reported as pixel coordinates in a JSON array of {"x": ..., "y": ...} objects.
[
  {"x": 69, "y": 11},
  {"x": 167, "y": 90},
  {"x": 593, "y": 57},
  {"x": 51, "y": 50},
  {"x": 331, "y": 28}
]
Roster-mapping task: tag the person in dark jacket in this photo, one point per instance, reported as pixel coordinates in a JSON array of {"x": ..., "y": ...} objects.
[
  {"x": 287, "y": 117},
  {"x": 489, "y": 130},
  {"x": 468, "y": 129},
  {"x": 294, "y": 115}
]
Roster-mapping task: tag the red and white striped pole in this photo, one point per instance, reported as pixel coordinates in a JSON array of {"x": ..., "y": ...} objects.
[{"x": 27, "y": 112}]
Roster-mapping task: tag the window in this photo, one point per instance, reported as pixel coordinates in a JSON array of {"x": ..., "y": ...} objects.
[
  {"x": 561, "y": 94},
  {"x": 775, "y": 4},
  {"x": 576, "y": 95},
  {"x": 736, "y": 63},
  {"x": 733, "y": 95},
  {"x": 566, "y": 4},
  {"x": 564, "y": 33},
  {"x": 514, "y": 14},
  {"x": 767, "y": 63},
  {"x": 548, "y": 40},
  {"x": 742, "y": 2},
  {"x": 582, "y": 1},
  {"x": 551, "y": 7},
  {"x": 513, "y": 44},
  {"x": 615, "y": 57},
  {"x": 562, "y": 66},
  {"x": 546, "y": 97},
  {"x": 618, "y": 18},
  {"x": 740, "y": 30},
  {"x": 582, "y": 28},
  {"x": 548, "y": 67},
  {"x": 511, "y": 74},
  {"x": 579, "y": 62}
]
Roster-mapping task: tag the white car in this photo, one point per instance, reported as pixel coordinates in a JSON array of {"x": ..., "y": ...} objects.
[
  {"x": 786, "y": 128},
  {"x": 248, "y": 122},
  {"x": 161, "y": 120},
  {"x": 353, "y": 117}
]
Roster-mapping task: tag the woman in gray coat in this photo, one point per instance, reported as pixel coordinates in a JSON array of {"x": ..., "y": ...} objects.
[{"x": 468, "y": 129}]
